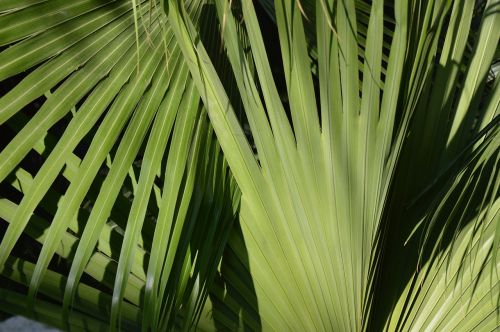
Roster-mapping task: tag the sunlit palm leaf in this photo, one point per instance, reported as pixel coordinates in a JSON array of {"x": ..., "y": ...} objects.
[
  {"x": 316, "y": 205},
  {"x": 367, "y": 164},
  {"x": 110, "y": 73}
]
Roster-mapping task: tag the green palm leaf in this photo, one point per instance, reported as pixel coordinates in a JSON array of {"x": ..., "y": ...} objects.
[
  {"x": 315, "y": 213},
  {"x": 111, "y": 73},
  {"x": 284, "y": 165}
]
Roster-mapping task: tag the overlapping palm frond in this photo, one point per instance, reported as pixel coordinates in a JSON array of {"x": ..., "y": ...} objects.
[
  {"x": 363, "y": 142},
  {"x": 107, "y": 182},
  {"x": 456, "y": 283},
  {"x": 320, "y": 206}
]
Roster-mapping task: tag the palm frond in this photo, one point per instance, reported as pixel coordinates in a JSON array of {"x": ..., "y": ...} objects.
[
  {"x": 119, "y": 120},
  {"x": 168, "y": 165},
  {"x": 315, "y": 206}
]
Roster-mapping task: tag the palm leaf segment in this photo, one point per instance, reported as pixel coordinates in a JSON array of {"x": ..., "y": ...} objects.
[
  {"x": 323, "y": 202},
  {"x": 123, "y": 142}
]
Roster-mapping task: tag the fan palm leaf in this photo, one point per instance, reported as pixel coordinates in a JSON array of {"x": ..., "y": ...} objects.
[
  {"x": 107, "y": 74},
  {"x": 317, "y": 203},
  {"x": 196, "y": 174}
]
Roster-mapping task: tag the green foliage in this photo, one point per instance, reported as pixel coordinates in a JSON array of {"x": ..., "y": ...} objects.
[{"x": 327, "y": 165}]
